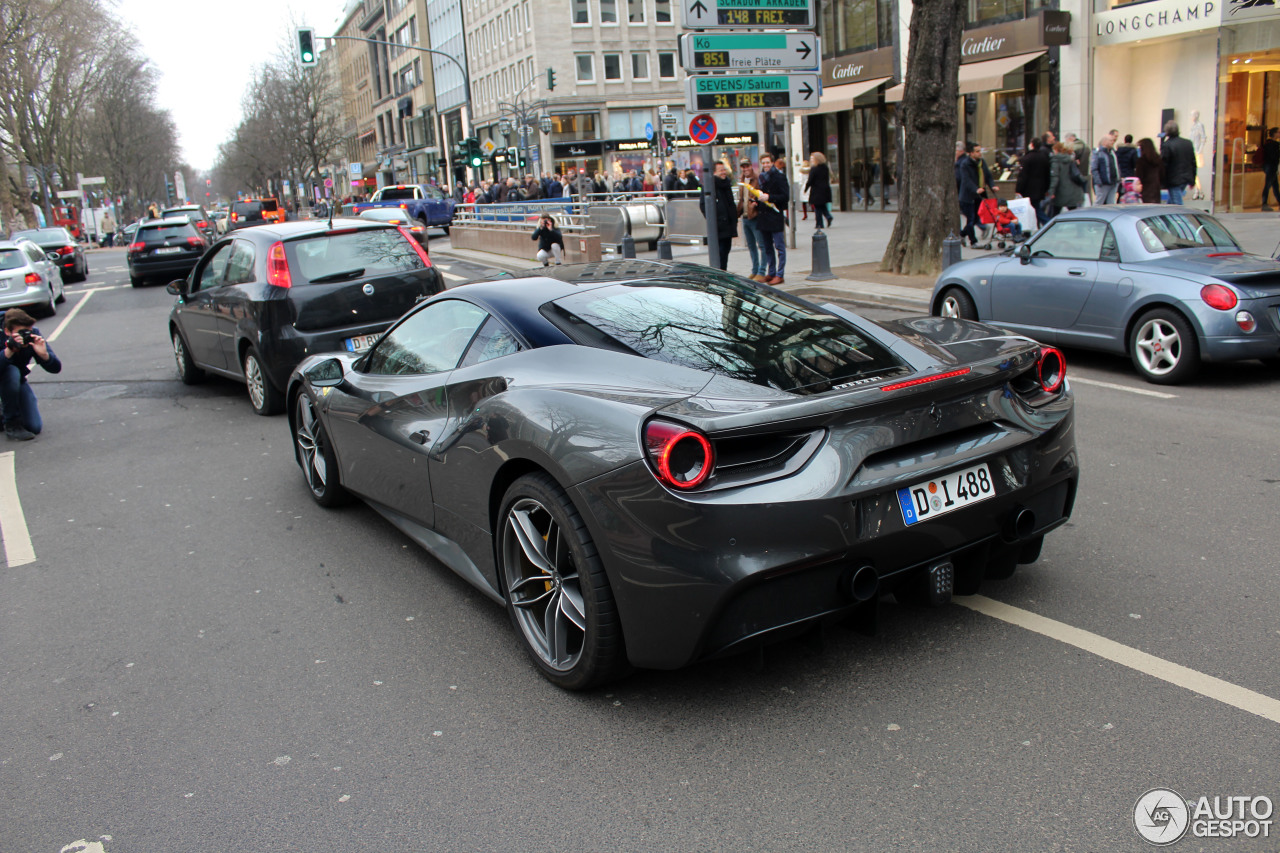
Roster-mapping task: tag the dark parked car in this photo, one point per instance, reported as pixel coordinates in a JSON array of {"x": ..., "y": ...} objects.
[
  {"x": 245, "y": 214},
  {"x": 61, "y": 248},
  {"x": 202, "y": 220},
  {"x": 264, "y": 298},
  {"x": 656, "y": 463},
  {"x": 164, "y": 249},
  {"x": 1167, "y": 286}
]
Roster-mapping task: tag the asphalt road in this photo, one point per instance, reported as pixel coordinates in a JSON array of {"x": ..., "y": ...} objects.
[{"x": 200, "y": 658}]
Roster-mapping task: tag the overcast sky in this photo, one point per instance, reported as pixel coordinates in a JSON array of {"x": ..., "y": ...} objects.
[{"x": 206, "y": 52}]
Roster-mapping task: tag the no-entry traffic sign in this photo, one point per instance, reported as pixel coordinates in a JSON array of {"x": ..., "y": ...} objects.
[{"x": 702, "y": 129}]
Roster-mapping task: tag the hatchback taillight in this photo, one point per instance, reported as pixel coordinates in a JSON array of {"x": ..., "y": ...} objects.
[
  {"x": 31, "y": 278},
  {"x": 134, "y": 248},
  {"x": 1051, "y": 370},
  {"x": 195, "y": 242},
  {"x": 202, "y": 224},
  {"x": 682, "y": 457},
  {"x": 278, "y": 267},
  {"x": 234, "y": 217},
  {"x": 417, "y": 247}
]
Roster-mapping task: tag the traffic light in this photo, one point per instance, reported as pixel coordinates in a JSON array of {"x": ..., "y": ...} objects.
[
  {"x": 306, "y": 46},
  {"x": 551, "y": 79},
  {"x": 512, "y": 156},
  {"x": 442, "y": 164},
  {"x": 474, "y": 155}
]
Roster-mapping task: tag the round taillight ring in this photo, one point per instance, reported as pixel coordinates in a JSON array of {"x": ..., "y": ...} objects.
[
  {"x": 683, "y": 458},
  {"x": 1051, "y": 369},
  {"x": 1219, "y": 296}
]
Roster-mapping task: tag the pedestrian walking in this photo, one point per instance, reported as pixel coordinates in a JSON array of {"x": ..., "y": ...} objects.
[
  {"x": 774, "y": 197},
  {"x": 1149, "y": 171},
  {"x": 1270, "y": 163},
  {"x": 109, "y": 227},
  {"x": 1105, "y": 169},
  {"x": 976, "y": 184},
  {"x": 1033, "y": 175},
  {"x": 1179, "y": 162},
  {"x": 818, "y": 185},
  {"x": 1066, "y": 184},
  {"x": 748, "y": 184},
  {"x": 726, "y": 211}
]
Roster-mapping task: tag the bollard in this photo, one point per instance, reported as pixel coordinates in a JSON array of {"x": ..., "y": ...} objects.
[
  {"x": 664, "y": 250},
  {"x": 821, "y": 258},
  {"x": 950, "y": 250},
  {"x": 628, "y": 246}
]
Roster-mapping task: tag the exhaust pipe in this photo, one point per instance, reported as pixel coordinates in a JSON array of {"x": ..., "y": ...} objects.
[
  {"x": 863, "y": 584},
  {"x": 1020, "y": 526}
]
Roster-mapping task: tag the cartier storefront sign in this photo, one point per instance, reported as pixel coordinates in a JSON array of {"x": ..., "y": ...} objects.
[
  {"x": 1047, "y": 29},
  {"x": 856, "y": 67}
]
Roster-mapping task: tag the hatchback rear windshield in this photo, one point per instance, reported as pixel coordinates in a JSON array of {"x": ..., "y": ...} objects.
[
  {"x": 1169, "y": 231},
  {"x": 12, "y": 259},
  {"x": 722, "y": 326},
  {"x": 160, "y": 233},
  {"x": 45, "y": 235},
  {"x": 355, "y": 254},
  {"x": 241, "y": 208}
]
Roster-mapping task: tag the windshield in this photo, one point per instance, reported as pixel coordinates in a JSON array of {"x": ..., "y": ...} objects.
[
  {"x": 241, "y": 208},
  {"x": 377, "y": 251},
  {"x": 12, "y": 259},
  {"x": 722, "y": 326},
  {"x": 1167, "y": 231}
]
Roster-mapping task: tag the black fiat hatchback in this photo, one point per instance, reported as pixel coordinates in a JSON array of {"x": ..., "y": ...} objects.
[{"x": 262, "y": 299}]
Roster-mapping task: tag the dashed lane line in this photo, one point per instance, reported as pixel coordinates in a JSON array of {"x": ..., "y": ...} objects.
[
  {"x": 13, "y": 524},
  {"x": 74, "y": 311},
  {"x": 1176, "y": 674},
  {"x": 1146, "y": 392}
]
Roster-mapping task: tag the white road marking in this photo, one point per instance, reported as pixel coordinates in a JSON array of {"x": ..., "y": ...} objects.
[
  {"x": 13, "y": 524},
  {"x": 67, "y": 319},
  {"x": 452, "y": 275},
  {"x": 105, "y": 287},
  {"x": 1176, "y": 674},
  {"x": 1146, "y": 392}
]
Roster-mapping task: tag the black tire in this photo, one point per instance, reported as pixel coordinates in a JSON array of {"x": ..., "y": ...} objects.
[
  {"x": 956, "y": 302},
  {"x": 264, "y": 396},
  {"x": 314, "y": 454},
  {"x": 187, "y": 370},
  {"x": 135, "y": 281},
  {"x": 588, "y": 647},
  {"x": 445, "y": 229},
  {"x": 1164, "y": 348}
]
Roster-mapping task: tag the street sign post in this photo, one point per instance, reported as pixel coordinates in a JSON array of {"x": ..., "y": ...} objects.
[
  {"x": 788, "y": 14},
  {"x": 668, "y": 119},
  {"x": 488, "y": 146},
  {"x": 702, "y": 129},
  {"x": 752, "y": 92},
  {"x": 750, "y": 52}
]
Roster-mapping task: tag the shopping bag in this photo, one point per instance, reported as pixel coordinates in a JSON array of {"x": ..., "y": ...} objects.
[{"x": 1021, "y": 208}]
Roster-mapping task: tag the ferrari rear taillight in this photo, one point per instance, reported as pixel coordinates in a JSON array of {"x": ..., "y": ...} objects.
[
  {"x": 278, "y": 266},
  {"x": 31, "y": 278},
  {"x": 1218, "y": 296},
  {"x": 681, "y": 457},
  {"x": 1051, "y": 370},
  {"x": 922, "y": 380}
]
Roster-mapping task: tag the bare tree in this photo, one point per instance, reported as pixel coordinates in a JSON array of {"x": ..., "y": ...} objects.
[{"x": 929, "y": 206}]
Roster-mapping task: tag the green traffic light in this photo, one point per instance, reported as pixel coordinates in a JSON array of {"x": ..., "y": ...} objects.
[{"x": 306, "y": 57}]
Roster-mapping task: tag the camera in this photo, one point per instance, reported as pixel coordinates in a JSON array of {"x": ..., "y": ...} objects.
[{"x": 25, "y": 335}]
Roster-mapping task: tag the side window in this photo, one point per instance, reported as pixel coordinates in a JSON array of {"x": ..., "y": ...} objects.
[
  {"x": 209, "y": 275},
  {"x": 1074, "y": 239},
  {"x": 240, "y": 266},
  {"x": 1110, "y": 250},
  {"x": 492, "y": 341},
  {"x": 34, "y": 253},
  {"x": 430, "y": 341}
]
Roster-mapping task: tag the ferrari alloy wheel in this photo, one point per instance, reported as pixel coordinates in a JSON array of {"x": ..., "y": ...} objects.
[
  {"x": 1164, "y": 348},
  {"x": 957, "y": 304},
  {"x": 264, "y": 396},
  {"x": 187, "y": 370},
  {"x": 556, "y": 590},
  {"x": 315, "y": 454}
]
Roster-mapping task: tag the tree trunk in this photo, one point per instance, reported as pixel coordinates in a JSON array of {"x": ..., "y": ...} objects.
[{"x": 928, "y": 208}]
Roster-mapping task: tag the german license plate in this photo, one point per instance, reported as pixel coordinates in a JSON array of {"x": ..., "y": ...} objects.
[
  {"x": 168, "y": 250},
  {"x": 360, "y": 343},
  {"x": 932, "y": 498}
]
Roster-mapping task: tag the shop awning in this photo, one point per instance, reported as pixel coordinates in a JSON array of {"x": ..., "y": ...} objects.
[
  {"x": 977, "y": 76},
  {"x": 837, "y": 98}
]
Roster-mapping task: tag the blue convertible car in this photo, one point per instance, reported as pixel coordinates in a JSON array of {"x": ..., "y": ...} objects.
[{"x": 1167, "y": 286}]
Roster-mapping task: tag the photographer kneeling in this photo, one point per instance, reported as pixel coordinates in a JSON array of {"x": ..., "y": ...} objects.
[{"x": 22, "y": 342}]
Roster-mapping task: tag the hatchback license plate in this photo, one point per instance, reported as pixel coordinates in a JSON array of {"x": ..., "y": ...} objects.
[
  {"x": 360, "y": 343},
  {"x": 168, "y": 250},
  {"x": 932, "y": 498}
]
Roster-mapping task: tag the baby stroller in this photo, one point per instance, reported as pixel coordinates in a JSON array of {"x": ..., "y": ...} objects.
[
  {"x": 1130, "y": 191},
  {"x": 1003, "y": 227},
  {"x": 986, "y": 227}
]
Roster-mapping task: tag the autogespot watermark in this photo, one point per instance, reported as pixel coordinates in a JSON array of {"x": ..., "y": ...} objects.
[{"x": 1162, "y": 816}]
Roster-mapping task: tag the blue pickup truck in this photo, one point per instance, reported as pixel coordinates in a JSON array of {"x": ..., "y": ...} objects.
[{"x": 426, "y": 203}]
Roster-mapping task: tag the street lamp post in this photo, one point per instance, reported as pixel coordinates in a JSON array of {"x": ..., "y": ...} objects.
[{"x": 521, "y": 116}]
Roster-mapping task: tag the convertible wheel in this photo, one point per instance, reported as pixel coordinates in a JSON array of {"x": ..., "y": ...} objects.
[
  {"x": 265, "y": 397},
  {"x": 956, "y": 303},
  {"x": 555, "y": 585},
  {"x": 315, "y": 454},
  {"x": 1164, "y": 348},
  {"x": 187, "y": 370}
]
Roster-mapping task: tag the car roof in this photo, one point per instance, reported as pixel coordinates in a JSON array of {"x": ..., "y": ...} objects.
[
  {"x": 1112, "y": 212},
  {"x": 12, "y": 244},
  {"x": 303, "y": 227},
  {"x": 166, "y": 221}
]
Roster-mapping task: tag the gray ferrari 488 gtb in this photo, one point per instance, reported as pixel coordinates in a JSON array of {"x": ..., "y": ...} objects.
[{"x": 651, "y": 464}]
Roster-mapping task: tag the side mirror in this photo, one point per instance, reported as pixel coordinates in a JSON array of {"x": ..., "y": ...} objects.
[
  {"x": 1024, "y": 253},
  {"x": 177, "y": 287},
  {"x": 325, "y": 374}
]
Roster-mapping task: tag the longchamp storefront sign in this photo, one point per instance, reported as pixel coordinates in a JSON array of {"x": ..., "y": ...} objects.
[{"x": 1155, "y": 19}]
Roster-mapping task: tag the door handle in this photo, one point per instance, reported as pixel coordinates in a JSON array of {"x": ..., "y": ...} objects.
[
  {"x": 421, "y": 436},
  {"x": 1075, "y": 272}
]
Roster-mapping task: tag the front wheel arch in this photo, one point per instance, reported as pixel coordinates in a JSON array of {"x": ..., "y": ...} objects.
[{"x": 936, "y": 308}]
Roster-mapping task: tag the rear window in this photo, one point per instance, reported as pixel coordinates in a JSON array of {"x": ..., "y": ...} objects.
[
  {"x": 240, "y": 208},
  {"x": 355, "y": 254},
  {"x": 397, "y": 193},
  {"x": 160, "y": 233},
  {"x": 269, "y": 204},
  {"x": 1170, "y": 231},
  {"x": 45, "y": 235},
  {"x": 12, "y": 259},
  {"x": 725, "y": 327}
]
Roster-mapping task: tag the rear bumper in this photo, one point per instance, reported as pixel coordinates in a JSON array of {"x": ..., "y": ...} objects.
[
  {"x": 1240, "y": 347},
  {"x": 177, "y": 267},
  {"x": 697, "y": 580},
  {"x": 282, "y": 356},
  {"x": 16, "y": 297}
]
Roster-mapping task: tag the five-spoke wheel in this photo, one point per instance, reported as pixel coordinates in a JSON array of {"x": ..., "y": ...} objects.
[
  {"x": 1164, "y": 348},
  {"x": 958, "y": 304}
]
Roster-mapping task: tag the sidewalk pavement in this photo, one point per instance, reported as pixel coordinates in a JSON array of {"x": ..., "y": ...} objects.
[{"x": 855, "y": 245}]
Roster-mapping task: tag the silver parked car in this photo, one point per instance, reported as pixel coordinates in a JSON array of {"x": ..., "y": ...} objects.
[
  {"x": 1167, "y": 286},
  {"x": 28, "y": 279}
]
